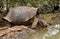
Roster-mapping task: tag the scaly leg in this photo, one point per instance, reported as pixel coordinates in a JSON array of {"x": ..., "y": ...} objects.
[
  {"x": 43, "y": 23},
  {"x": 34, "y": 22}
]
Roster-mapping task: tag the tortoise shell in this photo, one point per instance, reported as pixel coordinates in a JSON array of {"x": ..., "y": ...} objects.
[{"x": 20, "y": 14}]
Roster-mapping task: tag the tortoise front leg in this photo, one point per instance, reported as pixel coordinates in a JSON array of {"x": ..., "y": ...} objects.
[
  {"x": 43, "y": 23},
  {"x": 34, "y": 22}
]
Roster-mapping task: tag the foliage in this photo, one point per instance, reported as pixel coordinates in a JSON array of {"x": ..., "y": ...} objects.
[{"x": 35, "y": 3}]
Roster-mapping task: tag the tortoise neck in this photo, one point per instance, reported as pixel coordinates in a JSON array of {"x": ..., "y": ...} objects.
[{"x": 37, "y": 11}]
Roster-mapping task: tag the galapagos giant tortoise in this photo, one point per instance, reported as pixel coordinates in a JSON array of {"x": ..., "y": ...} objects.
[{"x": 24, "y": 15}]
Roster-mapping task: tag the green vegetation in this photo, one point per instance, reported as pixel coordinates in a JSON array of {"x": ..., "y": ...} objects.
[{"x": 35, "y": 3}]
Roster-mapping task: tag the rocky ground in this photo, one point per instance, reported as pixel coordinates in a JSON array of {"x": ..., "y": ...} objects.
[{"x": 17, "y": 32}]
